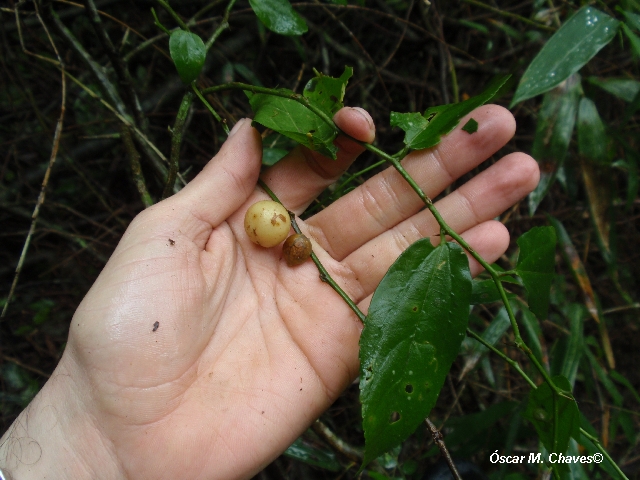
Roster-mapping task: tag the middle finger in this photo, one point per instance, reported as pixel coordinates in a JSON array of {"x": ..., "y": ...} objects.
[{"x": 386, "y": 199}]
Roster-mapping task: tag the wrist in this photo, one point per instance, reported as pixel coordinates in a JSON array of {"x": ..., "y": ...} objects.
[{"x": 56, "y": 437}]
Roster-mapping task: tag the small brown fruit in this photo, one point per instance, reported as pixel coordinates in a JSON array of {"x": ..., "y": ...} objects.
[
  {"x": 267, "y": 223},
  {"x": 296, "y": 249}
]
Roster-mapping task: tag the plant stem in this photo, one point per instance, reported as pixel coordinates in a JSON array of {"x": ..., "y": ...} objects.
[
  {"x": 602, "y": 450},
  {"x": 224, "y": 24},
  {"x": 157, "y": 22},
  {"x": 45, "y": 181},
  {"x": 119, "y": 67},
  {"x": 357, "y": 174},
  {"x": 225, "y": 127},
  {"x": 515, "y": 365},
  {"x": 352, "y": 453},
  {"x": 175, "y": 16},
  {"x": 511, "y": 15},
  {"x": 324, "y": 274},
  {"x": 176, "y": 142},
  {"x": 136, "y": 169},
  {"x": 277, "y": 93},
  {"x": 438, "y": 439}
]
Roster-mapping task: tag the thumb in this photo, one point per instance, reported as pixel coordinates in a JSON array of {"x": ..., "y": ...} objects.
[{"x": 228, "y": 179}]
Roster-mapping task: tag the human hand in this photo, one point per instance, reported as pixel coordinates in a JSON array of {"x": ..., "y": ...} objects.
[{"x": 197, "y": 354}]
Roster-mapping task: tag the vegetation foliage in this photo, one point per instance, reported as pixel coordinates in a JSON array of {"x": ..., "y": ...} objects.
[{"x": 111, "y": 106}]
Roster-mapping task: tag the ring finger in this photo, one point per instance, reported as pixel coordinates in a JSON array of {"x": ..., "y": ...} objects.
[{"x": 474, "y": 203}]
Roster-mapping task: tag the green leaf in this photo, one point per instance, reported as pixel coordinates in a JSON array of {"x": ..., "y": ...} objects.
[
  {"x": 555, "y": 417},
  {"x": 531, "y": 326},
  {"x": 279, "y": 16},
  {"x": 474, "y": 25},
  {"x": 566, "y": 52},
  {"x": 484, "y": 291},
  {"x": 634, "y": 40},
  {"x": 294, "y": 120},
  {"x": 553, "y": 133},
  {"x": 575, "y": 312},
  {"x": 246, "y": 73},
  {"x": 535, "y": 266},
  {"x": 270, "y": 156},
  {"x": 290, "y": 118},
  {"x": 618, "y": 377},
  {"x": 327, "y": 93},
  {"x": 591, "y": 449},
  {"x": 188, "y": 53},
  {"x": 313, "y": 455},
  {"x": 475, "y": 428},
  {"x": 624, "y": 88},
  {"x": 603, "y": 376},
  {"x": 633, "y": 19},
  {"x": 416, "y": 322},
  {"x": 593, "y": 142},
  {"x": 425, "y": 131},
  {"x": 471, "y": 126},
  {"x": 412, "y": 124},
  {"x": 492, "y": 334},
  {"x": 43, "y": 308}
]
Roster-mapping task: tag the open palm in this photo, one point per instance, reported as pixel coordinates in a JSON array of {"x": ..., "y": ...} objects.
[{"x": 197, "y": 354}]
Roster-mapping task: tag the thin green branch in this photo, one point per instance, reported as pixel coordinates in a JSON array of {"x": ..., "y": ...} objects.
[
  {"x": 224, "y": 24},
  {"x": 158, "y": 23},
  {"x": 324, "y": 274},
  {"x": 277, "y": 93},
  {"x": 352, "y": 453},
  {"x": 52, "y": 159},
  {"x": 118, "y": 65},
  {"x": 176, "y": 142},
  {"x": 145, "y": 44},
  {"x": 175, "y": 16},
  {"x": 136, "y": 169},
  {"x": 504, "y": 13},
  {"x": 515, "y": 365},
  {"x": 200, "y": 95},
  {"x": 152, "y": 151},
  {"x": 108, "y": 88},
  {"x": 604, "y": 452},
  {"x": 361, "y": 172}
]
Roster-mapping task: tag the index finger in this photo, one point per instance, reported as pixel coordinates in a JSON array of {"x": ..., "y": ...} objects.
[
  {"x": 386, "y": 199},
  {"x": 303, "y": 174}
]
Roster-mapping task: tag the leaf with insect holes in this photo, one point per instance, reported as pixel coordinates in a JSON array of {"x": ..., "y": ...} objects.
[
  {"x": 425, "y": 130},
  {"x": 294, "y": 120},
  {"x": 416, "y": 322},
  {"x": 188, "y": 53}
]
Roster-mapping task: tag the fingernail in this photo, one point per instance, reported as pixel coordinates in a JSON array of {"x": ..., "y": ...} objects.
[
  {"x": 364, "y": 115},
  {"x": 237, "y": 127}
]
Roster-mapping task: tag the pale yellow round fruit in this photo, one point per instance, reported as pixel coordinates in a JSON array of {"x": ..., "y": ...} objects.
[{"x": 267, "y": 223}]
